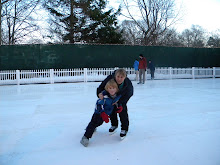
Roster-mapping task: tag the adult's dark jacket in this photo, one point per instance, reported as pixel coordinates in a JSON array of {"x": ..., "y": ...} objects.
[{"x": 126, "y": 92}]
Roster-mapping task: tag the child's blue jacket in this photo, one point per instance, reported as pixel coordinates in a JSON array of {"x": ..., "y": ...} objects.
[
  {"x": 105, "y": 105},
  {"x": 136, "y": 64}
]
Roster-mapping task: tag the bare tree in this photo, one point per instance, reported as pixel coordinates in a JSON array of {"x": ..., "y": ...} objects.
[
  {"x": 19, "y": 22},
  {"x": 170, "y": 38},
  {"x": 1, "y": 3},
  {"x": 194, "y": 37},
  {"x": 131, "y": 33},
  {"x": 156, "y": 16},
  {"x": 214, "y": 40}
]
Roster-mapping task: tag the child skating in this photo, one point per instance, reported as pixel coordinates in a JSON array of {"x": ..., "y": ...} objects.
[{"x": 104, "y": 108}]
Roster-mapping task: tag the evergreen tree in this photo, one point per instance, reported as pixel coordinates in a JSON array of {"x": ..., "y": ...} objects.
[{"x": 83, "y": 21}]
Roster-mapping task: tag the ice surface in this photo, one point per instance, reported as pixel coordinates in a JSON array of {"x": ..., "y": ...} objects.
[{"x": 172, "y": 122}]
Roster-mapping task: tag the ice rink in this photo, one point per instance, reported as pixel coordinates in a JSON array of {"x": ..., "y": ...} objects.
[{"x": 172, "y": 122}]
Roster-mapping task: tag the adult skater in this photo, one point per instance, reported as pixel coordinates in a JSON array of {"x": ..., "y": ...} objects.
[
  {"x": 142, "y": 68},
  {"x": 126, "y": 91}
]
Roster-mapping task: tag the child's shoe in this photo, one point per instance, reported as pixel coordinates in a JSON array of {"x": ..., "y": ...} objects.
[{"x": 84, "y": 141}]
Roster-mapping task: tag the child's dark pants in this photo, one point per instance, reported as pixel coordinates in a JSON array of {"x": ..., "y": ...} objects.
[{"x": 95, "y": 122}]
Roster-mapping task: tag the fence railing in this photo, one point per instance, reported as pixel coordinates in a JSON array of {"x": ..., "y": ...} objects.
[{"x": 98, "y": 74}]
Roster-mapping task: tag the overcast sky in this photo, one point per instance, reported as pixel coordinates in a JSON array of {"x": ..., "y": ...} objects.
[{"x": 205, "y": 13}]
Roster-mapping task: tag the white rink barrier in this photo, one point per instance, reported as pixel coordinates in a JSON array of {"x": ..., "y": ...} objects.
[{"x": 98, "y": 74}]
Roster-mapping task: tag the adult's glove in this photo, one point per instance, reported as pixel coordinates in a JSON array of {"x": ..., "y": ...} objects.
[
  {"x": 105, "y": 117},
  {"x": 119, "y": 109}
]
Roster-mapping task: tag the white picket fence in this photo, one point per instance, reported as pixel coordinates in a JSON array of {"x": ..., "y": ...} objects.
[{"x": 98, "y": 74}]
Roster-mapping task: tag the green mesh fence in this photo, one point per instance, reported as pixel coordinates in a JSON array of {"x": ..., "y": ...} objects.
[{"x": 82, "y": 56}]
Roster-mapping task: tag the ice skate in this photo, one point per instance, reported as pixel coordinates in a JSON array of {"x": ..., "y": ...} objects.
[
  {"x": 123, "y": 134},
  {"x": 84, "y": 141},
  {"x": 112, "y": 130}
]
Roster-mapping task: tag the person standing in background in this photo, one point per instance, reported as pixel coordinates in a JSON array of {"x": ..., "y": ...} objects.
[
  {"x": 152, "y": 69},
  {"x": 136, "y": 64},
  {"x": 142, "y": 68}
]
